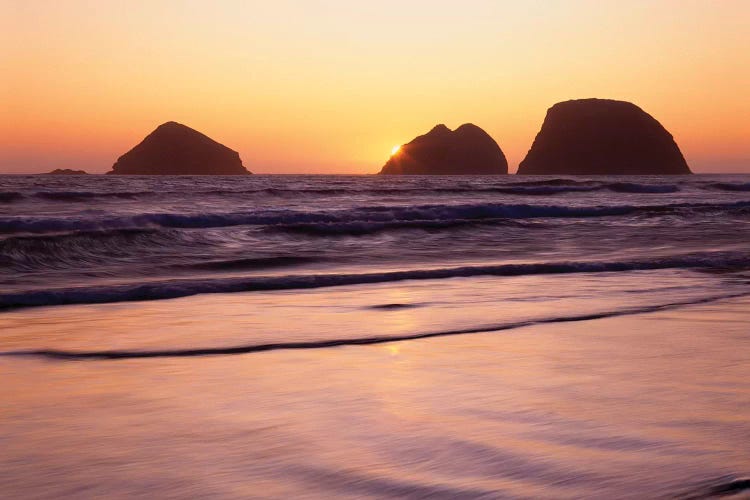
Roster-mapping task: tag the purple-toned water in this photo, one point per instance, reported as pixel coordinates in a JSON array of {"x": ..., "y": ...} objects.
[
  {"x": 102, "y": 239},
  {"x": 387, "y": 337}
]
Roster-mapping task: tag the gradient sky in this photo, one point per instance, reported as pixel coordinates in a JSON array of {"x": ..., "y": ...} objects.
[{"x": 330, "y": 86}]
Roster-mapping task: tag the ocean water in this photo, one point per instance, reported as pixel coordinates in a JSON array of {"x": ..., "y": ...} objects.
[
  {"x": 452, "y": 337},
  {"x": 102, "y": 239}
]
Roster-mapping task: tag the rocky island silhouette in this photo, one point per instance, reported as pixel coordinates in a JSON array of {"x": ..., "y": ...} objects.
[
  {"x": 602, "y": 137},
  {"x": 578, "y": 137},
  {"x": 468, "y": 150},
  {"x": 65, "y": 171},
  {"x": 175, "y": 149}
]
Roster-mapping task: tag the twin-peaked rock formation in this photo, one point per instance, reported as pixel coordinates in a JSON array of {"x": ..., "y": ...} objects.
[{"x": 468, "y": 150}]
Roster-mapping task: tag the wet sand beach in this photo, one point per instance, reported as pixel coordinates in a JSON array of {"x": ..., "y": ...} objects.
[{"x": 643, "y": 405}]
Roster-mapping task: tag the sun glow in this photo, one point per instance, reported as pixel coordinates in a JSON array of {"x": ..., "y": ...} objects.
[
  {"x": 395, "y": 149},
  {"x": 314, "y": 96}
]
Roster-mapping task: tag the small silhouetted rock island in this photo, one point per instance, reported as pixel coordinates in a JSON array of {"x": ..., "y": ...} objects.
[
  {"x": 66, "y": 171},
  {"x": 468, "y": 150},
  {"x": 602, "y": 137},
  {"x": 174, "y": 149}
]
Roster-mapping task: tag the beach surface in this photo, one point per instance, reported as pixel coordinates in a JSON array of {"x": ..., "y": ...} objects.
[{"x": 645, "y": 405}]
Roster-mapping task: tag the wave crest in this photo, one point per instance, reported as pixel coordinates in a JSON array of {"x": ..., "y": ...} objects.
[
  {"x": 182, "y": 288},
  {"x": 372, "y": 214}
]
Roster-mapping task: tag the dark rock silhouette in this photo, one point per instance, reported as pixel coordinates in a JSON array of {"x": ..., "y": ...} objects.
[
  {"x": 174, "y": 149},
  {"x": 468, "y": 150},
  {"x": 601, "y": 136},
  {"x": 66, "y": 171}
]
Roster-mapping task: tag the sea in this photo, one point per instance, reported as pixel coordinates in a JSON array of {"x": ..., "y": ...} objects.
[{"x": 276, "y": 336}]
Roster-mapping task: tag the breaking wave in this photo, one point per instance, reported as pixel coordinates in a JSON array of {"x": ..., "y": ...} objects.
[
  {"x": 729, "y": 186},
  {"x": 628, "y": 187},
  {"x": 156, "y": 290},
  {"x": 10, "y": 196},
  {"x": 72, "y": 250},
  {"x": 363, "y": 228}
]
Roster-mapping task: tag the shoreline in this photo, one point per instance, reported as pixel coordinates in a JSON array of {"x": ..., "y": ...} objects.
[
  {"x": 648, "y": 404},
  {"x": 53, "y": 354}
]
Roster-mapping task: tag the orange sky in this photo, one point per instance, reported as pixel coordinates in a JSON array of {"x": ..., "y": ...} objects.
[{"x": 329, "y": 86}]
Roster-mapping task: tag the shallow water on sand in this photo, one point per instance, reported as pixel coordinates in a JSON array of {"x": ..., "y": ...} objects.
[{"x": 636, "y": 406}]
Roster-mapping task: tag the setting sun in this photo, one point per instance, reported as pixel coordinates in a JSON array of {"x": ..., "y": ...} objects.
[{"x": 395, "y": 149}]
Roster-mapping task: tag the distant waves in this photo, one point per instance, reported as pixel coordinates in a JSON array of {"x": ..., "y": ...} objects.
[
  {"x": 368, "y": 214},
  {"x": 95, "y": 239},
  {"x": 548, "y": 187}
]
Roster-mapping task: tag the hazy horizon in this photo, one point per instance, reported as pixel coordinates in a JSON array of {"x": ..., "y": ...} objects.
[{"x": 329, "y": 87}]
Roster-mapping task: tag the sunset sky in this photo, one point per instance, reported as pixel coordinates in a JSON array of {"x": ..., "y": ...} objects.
[{"x": 331, "y": 86}]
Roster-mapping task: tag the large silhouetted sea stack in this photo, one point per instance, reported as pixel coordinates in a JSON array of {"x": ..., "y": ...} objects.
[
  {"x": 468, "y": 150},
  {"x": 174, "y": 149},
  {"x": 602, "y": 136}
]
